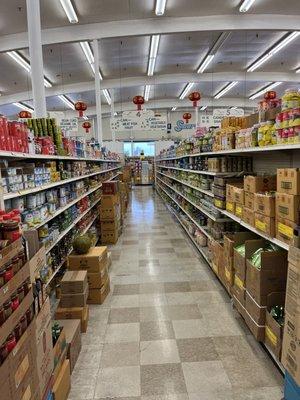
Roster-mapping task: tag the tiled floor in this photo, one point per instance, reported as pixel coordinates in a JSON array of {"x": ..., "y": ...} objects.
[{"x": 167, "y": 330}]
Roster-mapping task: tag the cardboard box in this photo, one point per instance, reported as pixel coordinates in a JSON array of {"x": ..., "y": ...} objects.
[
  {"x": 239, "y": 306},
  {"x": 37, "y": 262},
  {"x": 68, "y": 300},
  {"x": 228, "y": 245},
  {"x": 97, "y": 279},
  {"x": 264, "y": 204},
  {"x": 62, "y": 384},
  {"x": 11, "y": 286},
  {"x": 74, "y": 282},
  {"x": 239, "y": 210},
  {"x": 288, "y": 206},
  {"x": 257, "y": 330},
  {"x": 274, "y": 331},
  {"x": 249, "y": 200},
  {"x": 239, "y": 195},
  {"x": 107, "y": 201},
  {"x": 288, "y": 181},
  {"x": 59, "y": 348},
  {"x": 261, "y": 183},
  {"x": 45, "y": 358},
  {"x": 85, "y": 320},
  {"x": 229, "y": 271},
  {"x": 72, "y": 329},
  {"x": 272, "y": 275},
  {"x": 108, "y": 226},
  {"x": 111, "y": 187},
  {"x": 265, "y": 224},
  {"x": 230, "y": 191},
  {"x": 239, "y": 262},
  {"x": 230, "y": 207},
  {"x": 111, "y": 212},
  {"x": 285, "y": 230},
  {"x": 238, "y": 290},
  {"x": 94, "y": 261},
  {"x": 97, "y": 296},
  {"x": 248, "y": 216},
  {"x": 73, "y": 313},
  {"x": 10, "y": 251},
  {"x": 257, "y": 311},
  {"x": 110, "y": 237}
]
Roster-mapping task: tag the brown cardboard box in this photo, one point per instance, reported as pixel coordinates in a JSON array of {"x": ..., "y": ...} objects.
[
  {"x": 274, "y": 331},
  {"x": 68, "y": 300},
  {"x": 229, "y": 271},
  {"x": 265, "y": 224},
  {"x": 62, "y": 384},
  {"x": 26, "y": 388},
  {"x": 239, "y": 261},
  {"x": 257, "y": 311},
  {"x": 230, "y": 191},
  {"x": 239, "y": 210},
  {"x": 72, "y": 329},
  {"x": 239, "y": 306},
  {"x": 264, "y": 204},
  {"x": 94, "y": 261},
  {"x": 238, "y": 289},
  {"x": 110, "y": 237},
  {"x": 249, "y": 200},
  {"x": 230, "y": 207},
  {"x": 272, "y": 275},
  {"x": 108, "y": 226},
  {"x": 239, "y": 195},
  {"x": 97, "y": 296},
  {"x": 10, "y": 251},
  {"x": 37, "y": 262},
  {"x": 74, "y": 282},
  {"x": 59, "y": 348},
  {"x": 111, "y": 187},
  {"x": 285, "y": 229},
  {"x": 288, "y": 180},
  {"x": 259, "y": 183},
  {"x": 109, "y": 213},
  {"x": 107, "y": 201},
  {"x": 257, "y": 330},
  {"x": 11, "y": 286},
  {"x": 74, "y": 313},
  {"x": 288, "y": 206},
  {"x": 248, "y": 216},
  {"x": 96, "y": 280},
  {"x": 228, "y": 244}
]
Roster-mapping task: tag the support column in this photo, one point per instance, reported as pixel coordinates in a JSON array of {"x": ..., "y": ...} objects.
[
  {"x": 112, "y": 110},
  {"x": 99, "y": 135},
  {"x": 196, "y": 116},
  {"x": 36, "y": 58}
]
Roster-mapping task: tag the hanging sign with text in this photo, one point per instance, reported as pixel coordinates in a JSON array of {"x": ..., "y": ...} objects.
[{"x": 144, "y": 120}]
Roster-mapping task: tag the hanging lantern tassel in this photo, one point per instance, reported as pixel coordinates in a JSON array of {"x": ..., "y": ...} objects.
[
  {"x": 87, "y": 126},
  {"x": 25, "y": 114},
  {"x": 195, "y": 97},
  {"x": 138, "y": 101},
  {"x": 80, "y": 106},
  {"x": 187, "y": 117}
]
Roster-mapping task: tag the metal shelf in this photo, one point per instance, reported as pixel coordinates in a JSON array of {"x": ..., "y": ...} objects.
[
  {"x": 54, "y": 184},
  {"x": 199, "y": 172},
  {"x": 207, "y": 192},
  {"x": 236, "y": 151}
]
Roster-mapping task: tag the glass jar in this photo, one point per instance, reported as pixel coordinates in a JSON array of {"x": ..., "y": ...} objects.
[
  {"x": 26, "y": 287},
  {"x": 7, "y": 309},
  {"x": 15, "y": 264},
  {"x": 9, "y": 273},
  {"x": 14, "y": 302},
  {"x": 18, "y": 332},
  {"x": 11, "y": 342},
  {"x": 3, "y": 353},
  {"x": 21, "y": 294},
  {"x": 23, "y": 322},
  {"x": 9, "y": 228},
  {"x": 2, "y": 315},
  {"x": 29, "y": 315},
  {"x": 2, "y": 280}
]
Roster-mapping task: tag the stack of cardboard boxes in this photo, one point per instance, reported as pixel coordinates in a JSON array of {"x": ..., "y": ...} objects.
[
  {"x": 110, "y": 212},
  {"x": 94, "y": 265}
]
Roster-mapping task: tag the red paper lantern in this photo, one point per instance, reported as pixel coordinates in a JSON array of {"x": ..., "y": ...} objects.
[
  {"x": 80, "y": 106},
  {"x": 138, "y": 101},
  {"x": 187, "y": 117},
  {"x": 87, "y": 126},
  {"x": 195, "y": 97},
  {"x": 25, "y": 114},
  {"x": 270, "y": 95}
]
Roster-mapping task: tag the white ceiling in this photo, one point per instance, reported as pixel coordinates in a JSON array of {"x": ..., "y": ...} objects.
[{"x": 125, "y": 57}]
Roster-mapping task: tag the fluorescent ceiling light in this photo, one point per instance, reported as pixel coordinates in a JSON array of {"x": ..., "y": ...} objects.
[
  {"x": 69, "y": 10},
  {"x": 86, "y": 48},
  {"x": 207, "y": 60},
  {"x": 147, "y": 92},
  {"x": 264, "y": 90},
  {"x": 298, "y": 71},
  {"x": 107, "y": 96},
  {"x": 280, "y": 45},
  {"x": 185, "y": 91},
  {"x": 67, "y": 102},
  {"x": 203, "y": 108},
  {"x": 212, "y": 52},
  {"x": 23, "y": 107},
  {"x": 160, "y": 7},
  {"x": 246, "y": 5},
  {"x": 173, "y": 108},
  {"x": 25, "y": 64},
  {"x": 225, "y": 89},
  {"x": 153, "y": 54}
]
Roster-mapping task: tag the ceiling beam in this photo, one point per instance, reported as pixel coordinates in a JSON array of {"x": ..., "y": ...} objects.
[
  {"x": 149, "y": 26},
  {"x": 263, "y": 77}
]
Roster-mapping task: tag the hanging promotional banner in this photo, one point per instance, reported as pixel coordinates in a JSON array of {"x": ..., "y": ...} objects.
[
  {"x": 144, "y": 120},
  {"x": 220, "y": 113},
  {"x": 69, "y": 126}
]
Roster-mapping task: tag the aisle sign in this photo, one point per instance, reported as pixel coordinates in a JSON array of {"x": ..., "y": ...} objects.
[
  {"x": 220, "y": 113},
  {"x": 69, "y": 125},
  {"x": 144, "y": 120}
]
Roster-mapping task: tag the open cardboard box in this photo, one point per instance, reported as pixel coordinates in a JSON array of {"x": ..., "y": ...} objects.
[
  {"x": 240, "y": 261},
  {"x": 274, "y": 331}
]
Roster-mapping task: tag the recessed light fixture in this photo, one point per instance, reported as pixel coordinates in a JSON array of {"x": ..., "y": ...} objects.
[
  {"x": 203, "y": 108},
  {"x": 26, "y": 65},
  {"x": 67, "y": 101},
  {"x": 160, "y": 7},
  {"x": 185, "y": 91},
  {"x": 153, "y": 54},
  {"x": 147, "y": 92},
  {"x": 212, "y": 52},
  {"x": 173, "y": 108},
  {"x": 69, "y": 10},
  {"x": 107, "y": 96},
  {"x": 246, "y": 4},
  {"x": 23, "y": 107},
  {"x": 298, "y": 71},
  {"x": 225, "y": 89},
  {"x": 280, "y": 45},
  {"x": 264, "y": 90},
  {"x": 86, "y": 48}
]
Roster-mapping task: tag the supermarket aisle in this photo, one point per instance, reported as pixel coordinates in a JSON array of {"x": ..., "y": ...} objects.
[{"x": 167, "y": 330}]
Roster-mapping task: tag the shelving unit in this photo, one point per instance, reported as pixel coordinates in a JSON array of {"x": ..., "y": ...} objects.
[{"x": 199, "y": 172}]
